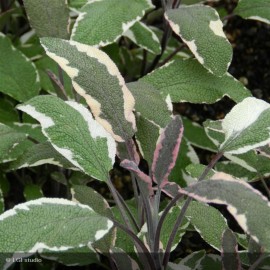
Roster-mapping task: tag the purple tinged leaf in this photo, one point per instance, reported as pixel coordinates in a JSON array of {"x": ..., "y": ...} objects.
[
  {"x": 171, "y": 189},
  {"x": 229, "y": 251},
  {"x": 132, "y": 166},
  {"x": 167, "y": 150}
]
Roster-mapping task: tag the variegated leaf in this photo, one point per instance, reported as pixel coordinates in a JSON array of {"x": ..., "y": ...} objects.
[
  {"x": 188, "y": 81},
  {"x": 144, "y": 37},
  {"x": 77, "y": 226},
  {"x": 166, "y": 151},
  {"x": 204, "y": 36},
  {"x": 117, "y": 17},
  {"x": 246, "y": 126},
  {"x": 74, "y": 133},
  {"x": 254, "y": 9},
  {"x": 49, "y": 19},
  {"x": 22, "y": 82},
  {"x": 245, "y": 203},
  {"x": 94, "y": 76}
]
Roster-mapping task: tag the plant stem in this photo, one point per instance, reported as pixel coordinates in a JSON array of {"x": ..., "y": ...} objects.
[
  {"x": 60, "y": 74},
  {"x": 184, "y": 209},
  {"x": 257, "y": 262},
  {"x": 144, "y": 62},
  {"x": 265, "y": 186},
  {"x": 172, "y": 55},
  {"x": 139, "y": 243}
]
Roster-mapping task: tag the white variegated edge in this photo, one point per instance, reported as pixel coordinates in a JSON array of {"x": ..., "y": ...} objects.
[
  {"x": 125, "y": 25},
  {"x": 47, "y": 122},
  {"x": 240, "y": 162},
  {"x": 258, "y": 18},
  {"x": 102, "y": 58},
  {"x": 243, "y": 115},
  {"x": 95, "y": 129},
  {"x": 240, "y": 218}
]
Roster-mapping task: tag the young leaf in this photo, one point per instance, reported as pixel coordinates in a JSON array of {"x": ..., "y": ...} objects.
[
  {"x": 94, "y": 76},
  {"x": 208, "y": 222},
  {"x": 204, "y": 36},
  {"x": 245, "y": 203},
  {"x": 61, "y": 225},
  {"x": 74, "y": 133},
  {"x": 117, "y": 17},
  {"x": 188, "y": 81},
  {"x": 48, "y": 19},
  {"x": 254, "y": 10},
  {"x": 229, "y": 252},
  {"x": 167, "y": 151},
  {"x": 144, "y": 37},
  {"x": 40, "y": 154},
  {"x": 22, "y": 82},
  {"x": 246, "y": 126}
]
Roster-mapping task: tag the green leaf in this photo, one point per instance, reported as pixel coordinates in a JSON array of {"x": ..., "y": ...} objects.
[
  {"x": 7, "y": 112},
  {"x": 208, "y": 222},
  {"x": 245, "y": 204},
  {"x": 188, "y": 81},
  {"x": 117, "y": 17},
  {"x": 40, "y": 154},
  {"x": 246, "y": 126},
  {"x": 254, "y": 10},
  {"x": 94, "y": 76},
  {"x": 74, "y": 133},
  {"x": 2, "y": 203},
  {"x": 9, "y": 140},
  {"x": 61, "y": 225},
  {"x": 77, "y": 4},
  {"x": 213, "y": 130},
  {"x": 144, "y": 37},
  {"x": 196, "y": 135},
  {"x": 32, "y": 192},
  {"x": 18, "y": 75},
  {"x": 150, "y": 104},
  {"x": 193, "y": 260},
  {"x": 196, "y": 170},
  {"x": 229, "y": 253},
  {"x": 200, "y": 28},
  {"x": 48, "y": 19}
]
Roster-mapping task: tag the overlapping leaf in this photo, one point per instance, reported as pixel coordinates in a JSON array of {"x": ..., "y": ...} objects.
[
  {"x": 95, "y": 77},
  {"x": 254, "y": 10},
  {"x": 74, "y": 133},
  {"x": 188, "y": 81},
  {"x": 200, "y": 28},
  {"x": 18, "y": 76},
  {"x": 245, "y": 203},
  {"x": 144, "y": 37},
  {"x": 49, "y": 19},
  {"x": 117, "y": 17},
  {"x": 77, "y": 226}
]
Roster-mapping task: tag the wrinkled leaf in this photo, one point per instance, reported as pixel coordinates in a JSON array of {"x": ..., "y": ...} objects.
[
  {"x": 201, "y": 30},
  {"x": 188, "y": 81},
  {"x": 77, "y": 226},
  {"x": 94, "y": 76},
  {"x": 48, "y": 19},
  {"x": 117, "y": 17},
  {"x": 74, "y": 133}
]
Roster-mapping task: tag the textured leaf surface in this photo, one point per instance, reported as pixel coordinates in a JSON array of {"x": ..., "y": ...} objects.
[
  {"x": 188, "y": 81},
  {"x": 254, "y": 9},
  {"x": 245, "y": 203},
  {"x": 48, "y": 19},
  {"x": 95, "y": 77},
  {"x": 117, "y": 17},
  {"x": 246, "y": 126},
  {"x": 49, "y": 224},
  {"x": 208, "y": 222},
  {"x": 150, "y": 104},
  {"x": 144, "y": 37},
  {"x": 166, "y": 151},
  {"x": 229, "y": 253},
  {"x": 7, "y": 112},
  {"x": 74, "y": 133},
  {"x": 9, "y": 139},
  {"x": 201, "y": 29},
  {"x": 40, "y": 154},
  {"x": 18, "y": 76}
]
